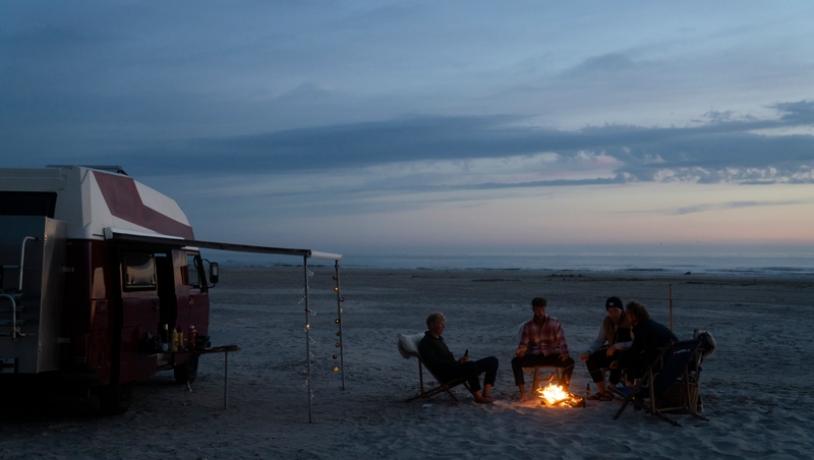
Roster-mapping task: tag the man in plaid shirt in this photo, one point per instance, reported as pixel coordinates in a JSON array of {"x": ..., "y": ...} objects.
[{"x": 542, "y": 343}]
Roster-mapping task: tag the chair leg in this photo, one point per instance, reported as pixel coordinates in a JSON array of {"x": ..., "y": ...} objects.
[
  {"x": 451, "y": 395},
  {"x": 420, "y": 377},
  {"x": 535, "y": 381},
  {"x": 622, "y": 409}
]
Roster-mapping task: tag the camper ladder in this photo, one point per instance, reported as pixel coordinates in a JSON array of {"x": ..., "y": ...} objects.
[{"x": 15, "y": 295}]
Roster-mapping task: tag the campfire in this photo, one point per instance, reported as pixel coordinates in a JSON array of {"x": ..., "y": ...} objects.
[{"x": 556, "y": 395}]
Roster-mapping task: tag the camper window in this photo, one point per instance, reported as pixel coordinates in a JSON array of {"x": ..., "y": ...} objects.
[
  {"x": 191, "y": 274},
  {"x": 28, "y": 203},
  {"x": 138, "y": 271}
]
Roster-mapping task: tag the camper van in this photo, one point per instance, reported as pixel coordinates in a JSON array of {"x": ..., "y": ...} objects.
[{"x": 82, "y": 302}]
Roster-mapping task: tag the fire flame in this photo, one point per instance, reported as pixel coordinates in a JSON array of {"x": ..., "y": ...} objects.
[{"x": 556, "y": 395}]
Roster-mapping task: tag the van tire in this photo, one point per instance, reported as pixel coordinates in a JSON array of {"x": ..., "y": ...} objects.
[{"x": 187, "y": 372}]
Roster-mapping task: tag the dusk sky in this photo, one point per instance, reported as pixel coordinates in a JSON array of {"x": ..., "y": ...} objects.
[{"x": 380, "y": 126}]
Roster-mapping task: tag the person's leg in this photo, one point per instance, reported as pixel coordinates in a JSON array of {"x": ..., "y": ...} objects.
[
  {"x": 471, "y": 372},
  {"x": 489, "y": 367},
  {"x": 567, "y": 366},
  {"x": 615, "y": 375},
  {"x": 517, "y": 370},
  {"x": 594, "y": 364},
  {"x": 526, "y": 360}
]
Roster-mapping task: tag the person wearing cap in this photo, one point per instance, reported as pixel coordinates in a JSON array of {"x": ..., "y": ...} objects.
[
  {"x": 614, "y": 337},
  {"x": 542, "y": 343}
]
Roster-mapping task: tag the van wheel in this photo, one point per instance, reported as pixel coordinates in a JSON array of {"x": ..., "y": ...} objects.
[
  {"x": 186, "y": 372},
  {"x": 112, "y": 399}
]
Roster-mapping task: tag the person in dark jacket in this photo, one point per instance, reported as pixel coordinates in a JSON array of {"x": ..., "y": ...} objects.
[
  {"x": 650, "y": 339},
  {"x": 443, "y": 365}
]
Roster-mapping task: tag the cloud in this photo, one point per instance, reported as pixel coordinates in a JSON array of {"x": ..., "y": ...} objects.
[
  {"x": 796, "y": 113},
  {"x": 721, "y": 150},
  {"x": 612, "y": 63},
  {"x": 733, "y": 205}
]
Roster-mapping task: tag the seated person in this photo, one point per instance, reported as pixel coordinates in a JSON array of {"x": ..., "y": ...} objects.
[
  {"x": 650, "y": 339},
  {"x": 613, "y": 338},
  {"x": 443, "y": 365},
  {"x": 542, "y": 343}
]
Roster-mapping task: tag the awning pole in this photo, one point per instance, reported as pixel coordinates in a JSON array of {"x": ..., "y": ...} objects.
[
  {"x": 307, "y": 335},
  {"x": 339, "y": 300},
  {"x": 670, "y": 305}
]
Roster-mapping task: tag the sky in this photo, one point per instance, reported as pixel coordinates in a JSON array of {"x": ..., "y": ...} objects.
[{"x": 419, "y": 127}]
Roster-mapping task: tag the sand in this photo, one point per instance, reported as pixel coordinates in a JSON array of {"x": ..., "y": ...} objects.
[{"x": 756, "y": 387}]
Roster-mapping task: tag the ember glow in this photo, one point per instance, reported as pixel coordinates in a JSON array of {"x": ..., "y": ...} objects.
[{"x": 553, "y": 395}]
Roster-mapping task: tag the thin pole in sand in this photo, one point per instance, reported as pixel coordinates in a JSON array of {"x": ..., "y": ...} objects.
[
  {"x": 670, "y": 305},
  {"x": 339, "y": 300},
  {"x": 307, "y": 335}
]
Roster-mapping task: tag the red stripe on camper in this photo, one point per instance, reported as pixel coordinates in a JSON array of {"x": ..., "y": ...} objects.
[{"x": 123, "y": 200}]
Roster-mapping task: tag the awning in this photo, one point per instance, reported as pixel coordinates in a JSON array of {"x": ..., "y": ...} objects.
[{"x": 166, "y": 240}]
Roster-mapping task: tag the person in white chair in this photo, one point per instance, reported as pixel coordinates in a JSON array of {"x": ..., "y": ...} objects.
[{"x": 441, "y": 362}]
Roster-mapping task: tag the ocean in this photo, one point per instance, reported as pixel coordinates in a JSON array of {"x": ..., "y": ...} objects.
[
  {"x": 735, "y": 265},
  {"x": 797, "y": 265}
]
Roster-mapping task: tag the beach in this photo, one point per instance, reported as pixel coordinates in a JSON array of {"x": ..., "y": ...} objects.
[{"x": 756, "y": 386}]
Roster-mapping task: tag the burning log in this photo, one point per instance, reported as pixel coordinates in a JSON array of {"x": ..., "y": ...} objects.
[{"x": 556, "y": 395}]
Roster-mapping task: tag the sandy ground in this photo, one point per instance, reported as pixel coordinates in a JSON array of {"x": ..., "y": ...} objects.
[{"x": 756, "y": 387}]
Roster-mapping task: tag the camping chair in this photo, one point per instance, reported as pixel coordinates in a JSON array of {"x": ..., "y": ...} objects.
[
  {"x": 408, "y": 348},
  {"x": 671, "y": 383}
]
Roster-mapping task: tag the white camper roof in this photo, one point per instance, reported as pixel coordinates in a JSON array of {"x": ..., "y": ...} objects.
[{"x": 90, "y": 200}]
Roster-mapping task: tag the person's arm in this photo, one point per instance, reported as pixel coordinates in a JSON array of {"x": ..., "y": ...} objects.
[
  {"x": 622, "y": 346},
  {"x": 637, "y": 344},
  {"x": 560, "y": 338},
  {"x": 598, "y": 341},
  {"x": 523, "y": 346}
]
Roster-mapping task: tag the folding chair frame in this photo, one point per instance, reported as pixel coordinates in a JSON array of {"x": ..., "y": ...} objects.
[
  {"x": 555, "y": 373},
  {"x": 689, "y": 381},
  {"x": 444, "y": 387}
]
